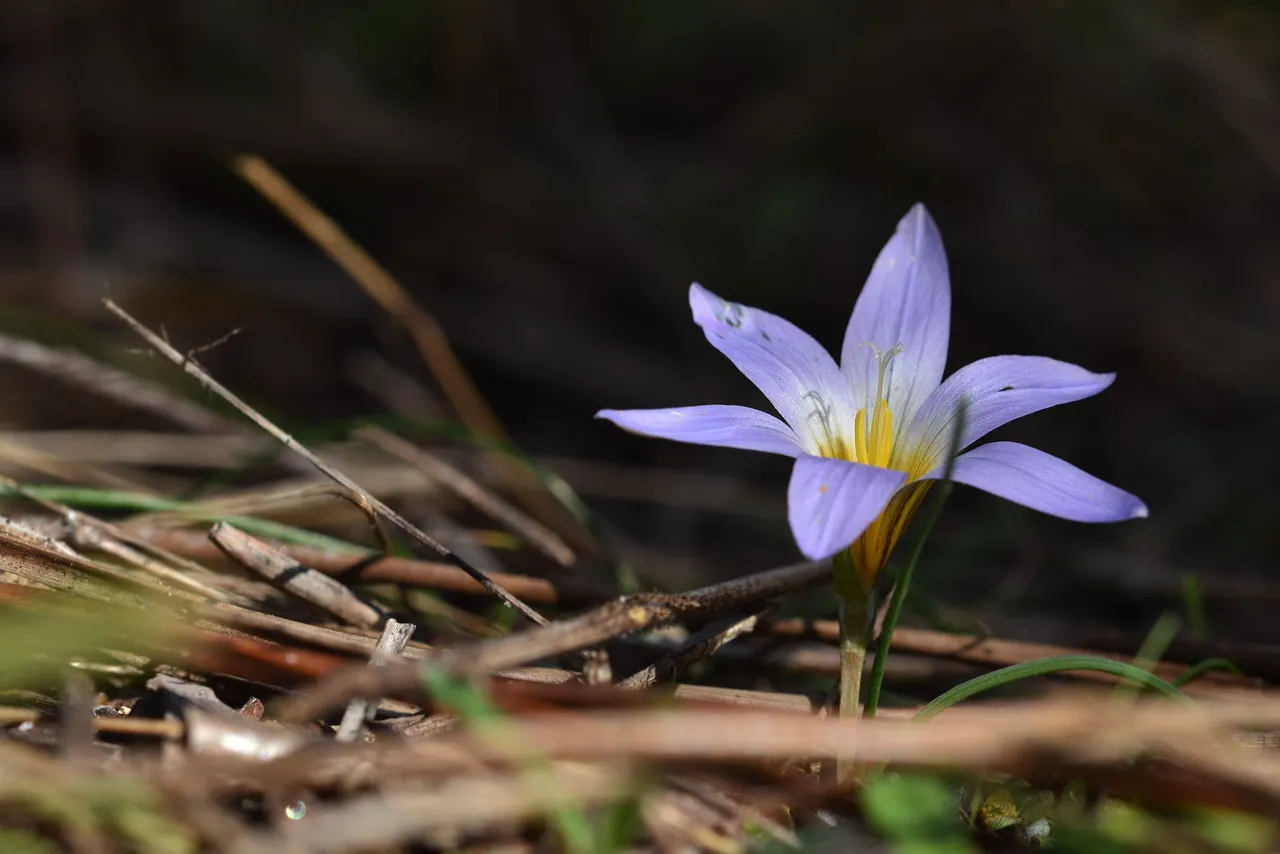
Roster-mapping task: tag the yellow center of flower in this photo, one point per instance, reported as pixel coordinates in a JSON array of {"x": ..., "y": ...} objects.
[
  {"x": 873, "y": 443},
  {"x": 873, "y": 446}
]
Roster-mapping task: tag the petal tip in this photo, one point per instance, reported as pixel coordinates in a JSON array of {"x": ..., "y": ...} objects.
[
  {"x": 818, "y": 554},
  {"x": 918, "y": 209},
  {"x": 816, "y": 547},
  {"x": 1139, "y": 512},
  {"x": 917, "y": 219},
  {"x": 701, "y": 302}
]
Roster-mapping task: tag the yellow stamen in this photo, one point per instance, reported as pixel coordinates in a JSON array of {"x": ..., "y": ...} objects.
[
  {"x": 860, "y": 437},
  {"x": 880, "y": 441},
  {"x": 871, "y": 551},
  {"x": 873, "y": 446}
]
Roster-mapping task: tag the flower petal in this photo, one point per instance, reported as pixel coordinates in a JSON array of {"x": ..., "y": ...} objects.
[
  {"x": 722, "y": 426},
  {"x": 798, "y": 376},
  {"x": 906, "y": 300},
  {"x": 1043, "y": 482},
  {"x": 831, "y": 502},
  {"x": 997, "y": 390}
]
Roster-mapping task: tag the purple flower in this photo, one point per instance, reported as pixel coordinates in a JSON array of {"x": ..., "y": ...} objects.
[{"x": 870, "y": 435}]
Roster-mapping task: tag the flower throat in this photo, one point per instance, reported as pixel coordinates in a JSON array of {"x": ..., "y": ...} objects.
[{"x": 873, "y": 445}]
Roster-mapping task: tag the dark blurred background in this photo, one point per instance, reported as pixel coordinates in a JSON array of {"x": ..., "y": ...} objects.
[{"x": 547, "y": 179}]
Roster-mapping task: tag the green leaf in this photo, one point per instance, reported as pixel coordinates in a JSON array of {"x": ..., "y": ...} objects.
[
  {"x": 618, "y": 826},
  {"x": 905, "y": 806},
  {"x": 17, "y": 841},
  {"x": 1233, "y": 831}
]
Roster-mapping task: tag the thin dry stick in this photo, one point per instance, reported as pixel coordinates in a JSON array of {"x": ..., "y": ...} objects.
[
  {"x": 246, "y": 619},
  {"x": 427, "y": 334},
  {"x": 624, "y": 616},
  {"x": 371, "y": 566},
  {"x": 362, "y": 709},
  {"x": 538, "y": 535},
  {"x": 287, "y": 574},
  {"x": 191, "y": 368},
  {"x": 704, "y": 644},
  {"x": 379, "y": 284},
  {"x": 101, "y": 538},
  {"x": 75, "y": 717}
]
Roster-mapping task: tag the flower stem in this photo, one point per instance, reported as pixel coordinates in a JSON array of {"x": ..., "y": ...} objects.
[
  {"x": 855, "y": 608},
  {"x": 899, "y": 597},
  {"x": 904, "y": 582}
]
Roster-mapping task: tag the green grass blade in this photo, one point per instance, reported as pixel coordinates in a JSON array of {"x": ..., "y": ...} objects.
[
  {"x": 1152, "y": 649},
  {"x": 1044, "y": 667},
  {"x": 1203, "y": 667}
]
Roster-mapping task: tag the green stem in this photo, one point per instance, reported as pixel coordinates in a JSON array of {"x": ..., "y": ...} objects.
[
  {"x": 1152, "y": 650},
  {"x": 854, "y": 611},
  {"x": 944, "y": 487},
  {"x": 899, "y": 596}
]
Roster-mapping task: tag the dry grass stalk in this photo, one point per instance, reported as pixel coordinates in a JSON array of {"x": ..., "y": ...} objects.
[
  {"x": 431, "y": 340},
  {"x": 537, "y": 535},
  {"x": 382, "y": 509}
]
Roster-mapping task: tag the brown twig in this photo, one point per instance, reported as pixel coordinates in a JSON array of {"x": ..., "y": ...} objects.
[
  {"x": 333, "y": 640},
  {"x": 624, "y": 616},
  {"x": 373, "y": 567},
  {"x": 191, "y": 368},
  {"x": 156, "y": 727},
  {"x": 287, "y": 574},
  {"x": 538, "y": 535},
  {"x": 703, "y": 644},
  {"x": 362, "y": 709}
]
